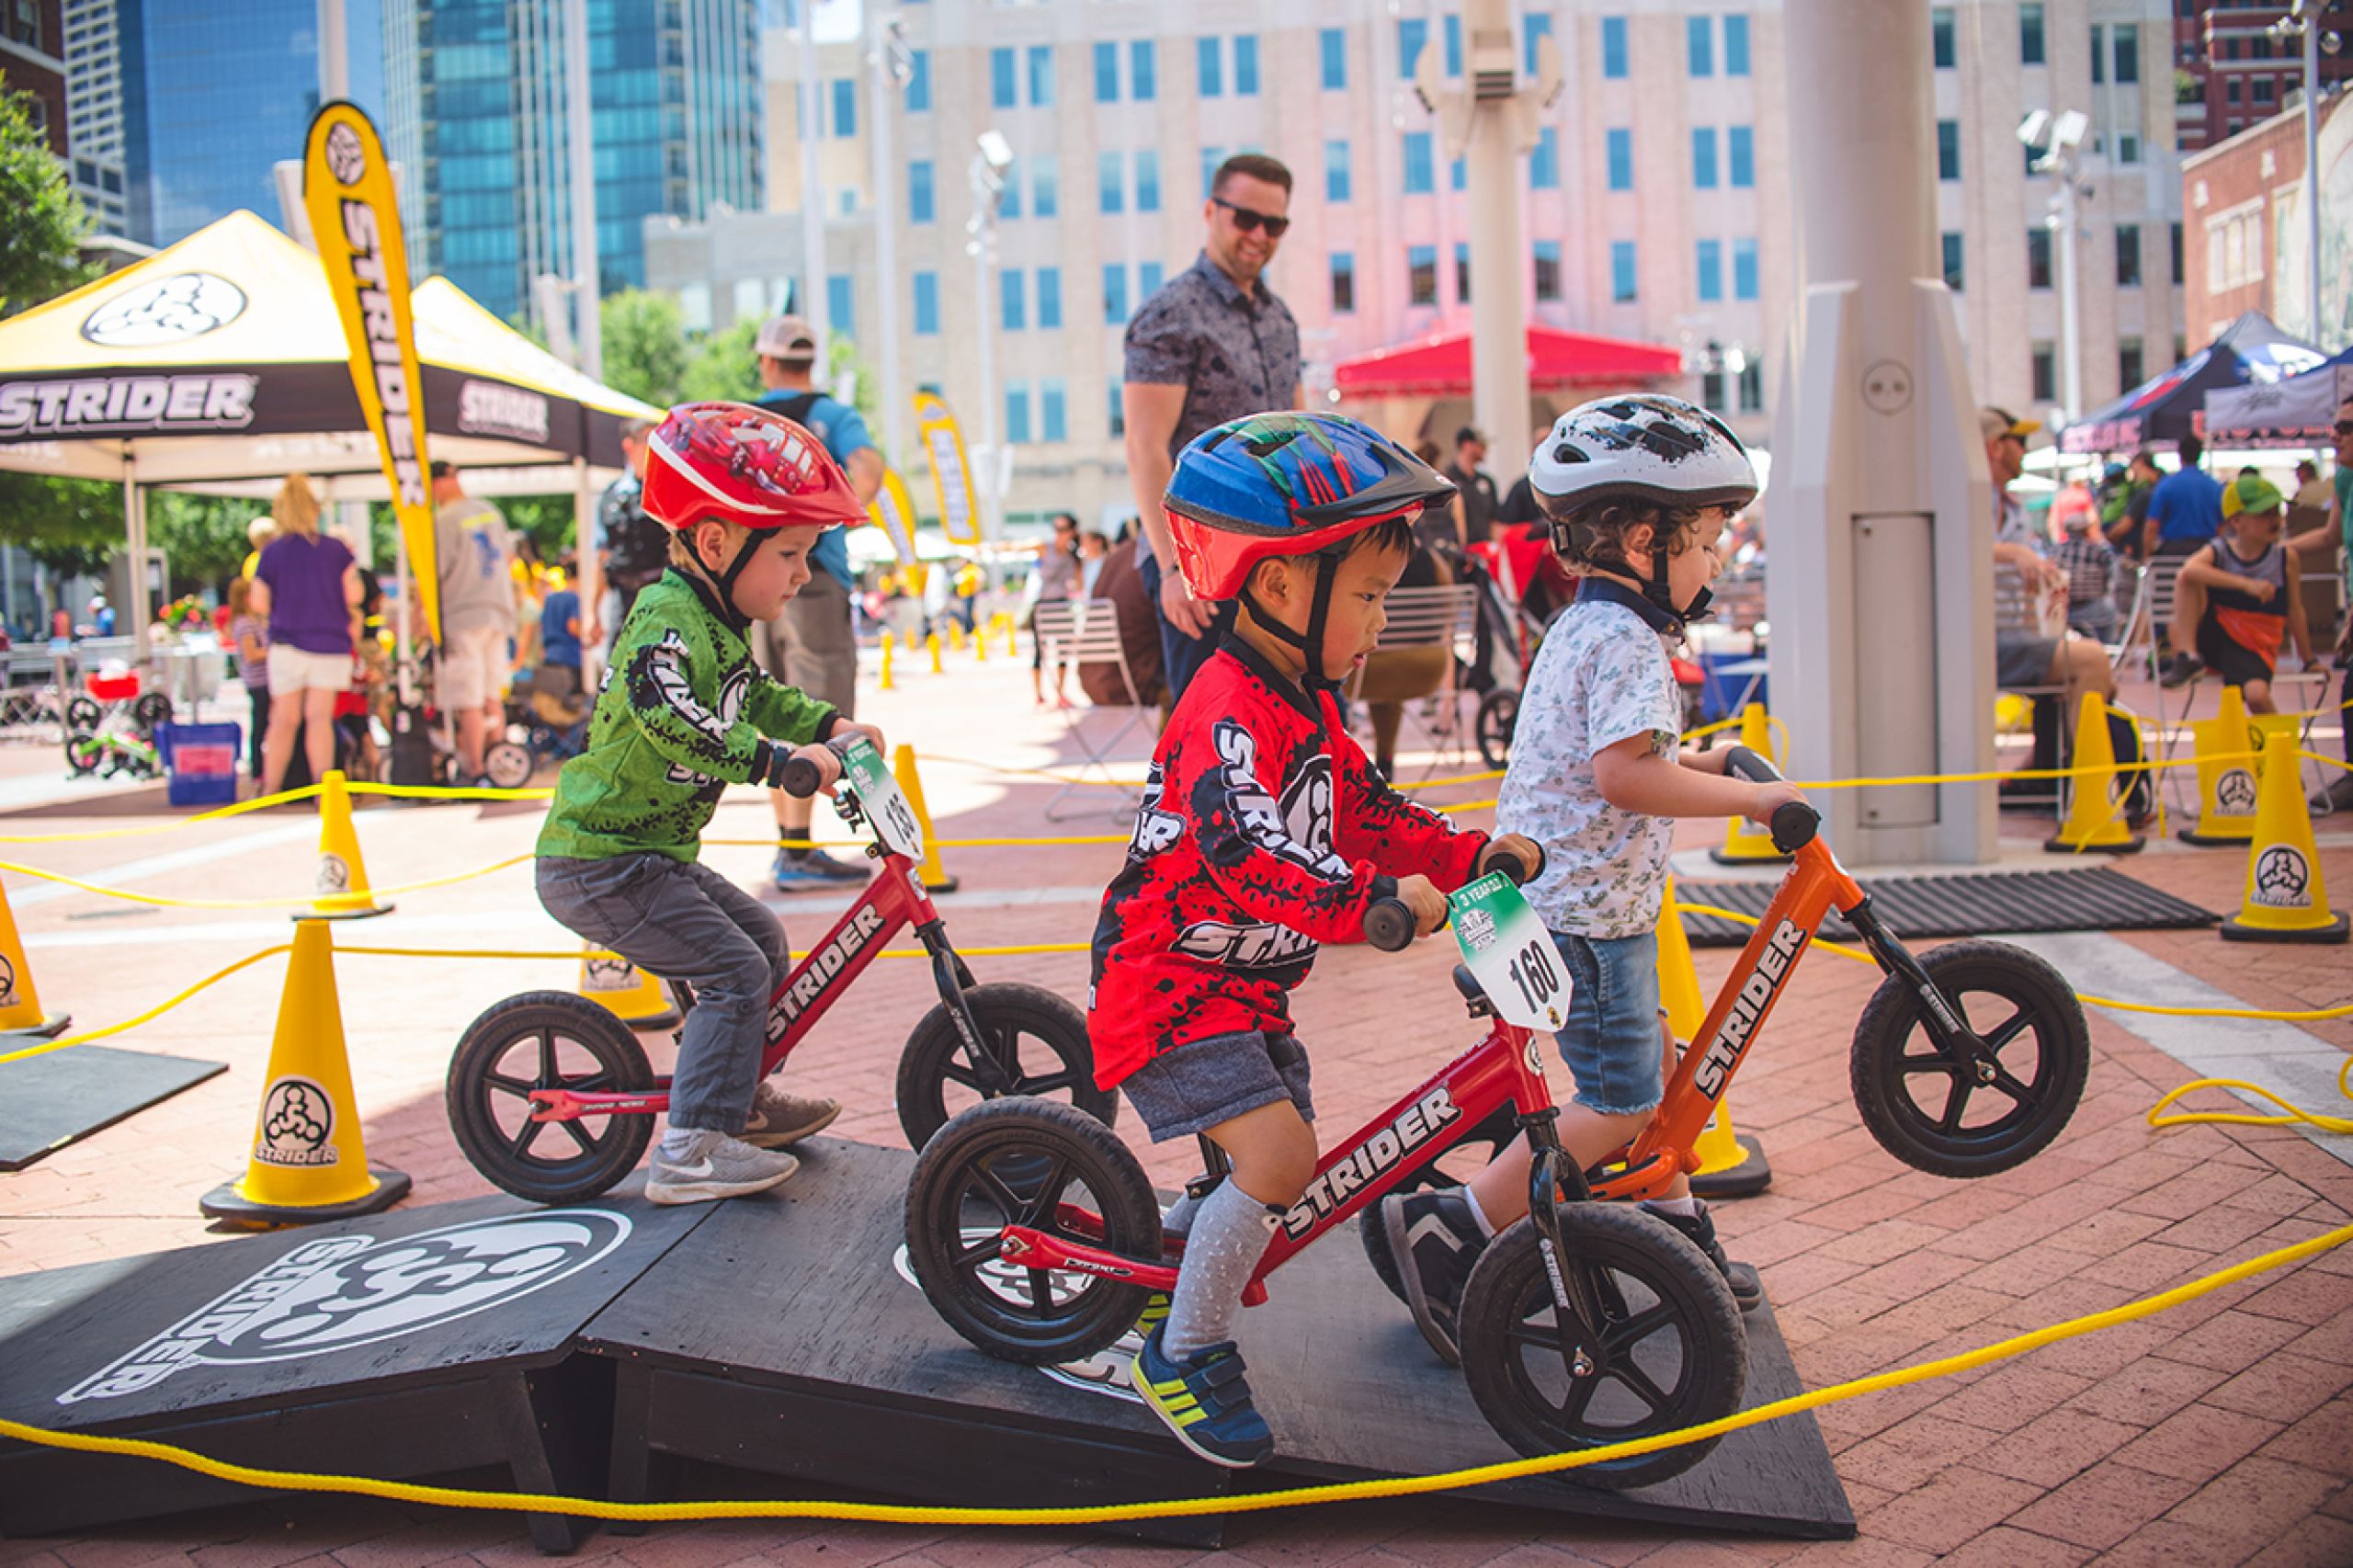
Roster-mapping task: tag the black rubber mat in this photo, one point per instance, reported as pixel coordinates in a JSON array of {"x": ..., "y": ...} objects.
[
  {"x": 49, "y": 1101},
  {"x": 1967, "y": 904}
]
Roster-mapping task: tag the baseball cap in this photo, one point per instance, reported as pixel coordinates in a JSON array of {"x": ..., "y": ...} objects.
[
  {"x": 787, "y": 337},
  {"x": 443, "y": 467},
  {"x": 2250, "y": 492},
  {"x": 1469, "y": 433},
  {"x": 1993, "y": 422}
]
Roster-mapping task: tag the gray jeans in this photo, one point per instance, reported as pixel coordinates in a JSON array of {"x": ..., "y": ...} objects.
[{"x": 684, "y": 921}]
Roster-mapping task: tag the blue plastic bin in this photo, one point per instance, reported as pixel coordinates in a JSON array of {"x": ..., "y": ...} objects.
[{"x": 202, "y": 762}]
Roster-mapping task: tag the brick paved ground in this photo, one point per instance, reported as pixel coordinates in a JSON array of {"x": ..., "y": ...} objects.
[{"x": 2219, "y": 1433}]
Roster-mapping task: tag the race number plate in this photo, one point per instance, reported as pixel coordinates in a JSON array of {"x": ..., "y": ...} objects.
[
  {"x": 879, "y": 797},
  {"x": 1510, "y": 953}
]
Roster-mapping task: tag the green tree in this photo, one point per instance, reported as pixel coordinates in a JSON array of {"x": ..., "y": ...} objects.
[
  {"x": 204, "y": 537},
  {"x": 645, "y": 346},
  {"x": 73, "y": 527},
  {"x": 724, "y": 367},
  {"x": 39, "y": 253}
]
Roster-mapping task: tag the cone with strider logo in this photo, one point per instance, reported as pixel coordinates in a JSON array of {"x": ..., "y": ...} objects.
[
  {"x": 631, "y": 994},
  {"x": 2285, "y": 899},
  {"x": 342, "y": 889},
  {"x": 935, "y": 876},
  {"x": 20, "y": 1011},
  {"x": 1732, "y": 1164}
]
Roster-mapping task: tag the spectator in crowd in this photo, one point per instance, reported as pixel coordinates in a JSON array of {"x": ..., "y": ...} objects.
[
  {"x": 1519, "y": 508},
  {"x": 814, "y": 645},
  {"x": 1093, "y": 548},
  {"x": 1212, "y": 344},
  {"x": 249, "y": 636},
  {"x": 1057, "y": 580},
  {"x": 637, "y": 548},
  {"x": 2312, "y": 548},
  {"x": 1122, "y": 582},
  {"x": 1475, "y": 502},
  {"x": 2238, "y": 598},
  {"x": 2186, "y": 510},
  {"x": 2091, "y": 565},
  {"x": 2021, "y": 658},
  {"x": 306, "y": 588},
  {"x": 2124, "y": 506},
  {"x": 2312, "y": 494},
  {"x": 258, "y": 533},
  {"x": 101, "y": 617},
  {"x": 475, "y": 560}
]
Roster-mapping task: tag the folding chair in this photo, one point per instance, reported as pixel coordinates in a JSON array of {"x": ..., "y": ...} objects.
[
  {"x": 1439, "y": 622},
  {"x": 2014, "y": 612},
  {"x": 1086, "y": 631}
]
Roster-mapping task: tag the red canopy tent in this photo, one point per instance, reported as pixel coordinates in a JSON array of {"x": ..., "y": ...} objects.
[{"x": 1440, "y": 367}]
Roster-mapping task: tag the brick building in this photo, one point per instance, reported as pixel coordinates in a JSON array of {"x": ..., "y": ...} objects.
[
  {"x": 2246, "y": 233},
  {"x": 32, "y": 62}
]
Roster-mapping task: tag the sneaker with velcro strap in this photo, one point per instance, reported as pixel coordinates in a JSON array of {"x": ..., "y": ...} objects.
[
  {"x": 1204, "y": 1398},
  {"x": 1700, "y": 1230},
  {"x": 1435, "y": 1239}
]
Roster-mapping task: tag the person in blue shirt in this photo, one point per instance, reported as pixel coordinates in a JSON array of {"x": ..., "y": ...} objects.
[
  {"x": 2186, "y": 510},
  {"x": 814, "y": 645}
]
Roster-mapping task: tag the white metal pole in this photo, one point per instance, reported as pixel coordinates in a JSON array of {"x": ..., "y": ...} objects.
[
  {"x": 886, "y": 247},
  {"x": 2070, "y": 307},
  {"x": 335, "y": 54},
  {"x": 983, "y": 266},
  {"x": 1498, "y": 315},
  {"x": 812, "y": 305},
  {"x": 580, "y": 145},
  {"x": 2315, "y": 332}
]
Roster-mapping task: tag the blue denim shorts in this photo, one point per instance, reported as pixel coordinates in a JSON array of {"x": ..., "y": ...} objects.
[
  {"x": 1611, "y": 1044},
  {"x": 1192, "y": 1087}
]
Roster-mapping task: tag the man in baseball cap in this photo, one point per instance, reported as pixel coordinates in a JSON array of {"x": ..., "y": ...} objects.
[
  {"x": 790, "y": 340},
  {"x": 2001, "y": 422}
]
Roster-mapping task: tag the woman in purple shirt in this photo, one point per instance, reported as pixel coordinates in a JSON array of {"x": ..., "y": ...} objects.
[{"x": 308, "y": 586}]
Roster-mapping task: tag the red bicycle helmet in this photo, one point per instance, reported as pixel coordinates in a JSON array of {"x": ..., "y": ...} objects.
[{"x": 734, "y": 463}]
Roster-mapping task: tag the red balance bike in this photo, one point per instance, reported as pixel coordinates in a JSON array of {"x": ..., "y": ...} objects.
[
  {"x": 551, "y": 1096},
  {"x": 1035, "y": 1234}
]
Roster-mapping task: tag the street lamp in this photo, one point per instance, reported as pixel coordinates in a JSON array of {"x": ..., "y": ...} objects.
[
  {"x": 893, "y": 65},
  {"x": 2060, "y": 139},
  {"x": 2304, "y": 20},
  {"x": 992, "y": 163}
]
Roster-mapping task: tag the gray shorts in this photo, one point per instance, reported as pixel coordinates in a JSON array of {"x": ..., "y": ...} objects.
[
  {"x": 814, "y": 645},
  {"x": 2020, "y": 660},
  {"x": 1192, "y": 1087}
]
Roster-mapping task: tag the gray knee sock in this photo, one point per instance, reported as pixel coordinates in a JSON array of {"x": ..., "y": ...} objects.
[
  {"x": 1179, "y": 1221},
  {"x": 1230, "y": 1233}
]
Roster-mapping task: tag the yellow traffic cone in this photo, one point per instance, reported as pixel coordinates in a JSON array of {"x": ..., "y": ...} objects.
[
  {"x": 342, "y": 889},
  {"x": 888, "y": 683},
  {"x": 935, "y": 876},
  {"x": 1679, "y": 977},
  {"x": 1729, "y": 1166},
  {"x": 627, "y": 992},
  {"x": 2094, "y": 806},
  {"x": 2285, "y": 899},
  {"x": 20, "y": 1014},
  {"x": 980, "y": 643},
  {"x": 1012, "y": 637},
  {"x": 309, "y": 1163},
  {"x": 2225, "y": 782},
  {"x": 956, "y": 634},
  {"x": 931, "y": 646},
  {"x": 1745, "y": 844}
]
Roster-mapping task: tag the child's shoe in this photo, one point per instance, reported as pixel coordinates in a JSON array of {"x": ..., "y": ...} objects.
[
  {"x": 778, "y": 1118},
  {"x": 1204, "y": 1401},
  {"x": 715, "y": 1165},
  {"x": 1435, "y": 1239},
  {"x": 798, "y": 873},
  {"x": 1747, "y": 1288},
  {"x": 1154, "y": 1313}
]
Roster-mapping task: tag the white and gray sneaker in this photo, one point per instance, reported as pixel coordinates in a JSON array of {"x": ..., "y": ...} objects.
[
  {"x": 715, "y": 1165},
  {"x": 778, "y": 1118}
]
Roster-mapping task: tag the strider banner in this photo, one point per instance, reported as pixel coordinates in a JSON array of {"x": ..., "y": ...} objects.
[
  {"x": 894, "y": 510},
  {"x": 960, "y": 511},
  {"x": 347, "y": 190}
]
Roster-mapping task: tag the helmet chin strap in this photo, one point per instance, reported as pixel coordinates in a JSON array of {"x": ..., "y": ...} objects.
[
  {"x": 724, "y": 582},
  {"x": 1659, "y": 593},
  {"x": 1319, "y": 610}
]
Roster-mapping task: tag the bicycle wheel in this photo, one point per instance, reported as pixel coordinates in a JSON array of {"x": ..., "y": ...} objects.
[
  {"x": 84, "y": 753},
  {"x": 1675, "y": 1353},
  {"x": 150, "y": 711},
  {"x": 1045, "y": 1165},
  {"x": 547, "y": 1039},
  {"x": 1498, "y": 715},
  {"x": 83, "y": 713},
  {"x": 1037, "y": 1037},
  {"x": 1451, "y": 1166},
  {"x": 1934, "y": 1116},
  {"x": 508, "y": 765}
]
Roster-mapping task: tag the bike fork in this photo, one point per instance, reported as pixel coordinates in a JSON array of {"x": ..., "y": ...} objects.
[
  {"x": 1554, "y": 1178},
  {"x": 1953, "y": 1037},
  {"x": 949, "y": 975}
]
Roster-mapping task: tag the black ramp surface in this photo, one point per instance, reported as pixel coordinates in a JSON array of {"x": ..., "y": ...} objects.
[
  {"x": 47, "y": 1102},
  {"x": 840, "y": 1347},
  {"x": 2091, "y": 898}
]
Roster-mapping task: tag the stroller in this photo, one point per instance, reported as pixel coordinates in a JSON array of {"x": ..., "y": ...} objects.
[{"x": 548, "y": 709}]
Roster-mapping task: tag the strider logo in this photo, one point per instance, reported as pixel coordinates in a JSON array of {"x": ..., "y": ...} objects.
[
  {"x": 823, "y": 967},
  {"x": 1772, "y": 968},
  {"x": 1414, "y": 1127},
  {"x": 341, "y": 1293}
]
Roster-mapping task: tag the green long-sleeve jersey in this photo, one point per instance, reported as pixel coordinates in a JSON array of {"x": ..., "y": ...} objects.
[{"x": 683, "y": 713}]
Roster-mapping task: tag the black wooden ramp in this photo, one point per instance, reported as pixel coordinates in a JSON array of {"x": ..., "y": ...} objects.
[
  {"x": 1967, "y": 904},
  {"x": 418, "y": 1343},
  {"x": 779, "y": 1337}
]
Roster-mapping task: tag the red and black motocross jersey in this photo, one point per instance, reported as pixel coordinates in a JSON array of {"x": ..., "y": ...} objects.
[{"x": 1263, "y": 831}]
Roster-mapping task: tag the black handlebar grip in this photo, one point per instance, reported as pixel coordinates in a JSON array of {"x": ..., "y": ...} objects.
[
  {"x": 1508, "y": 862},
  {"x": 1743, "y": 762},
  {"x": 1795, "y": 825},
  {"x": 1389, "y": 925},
  {"x": 800, "y": 777}
]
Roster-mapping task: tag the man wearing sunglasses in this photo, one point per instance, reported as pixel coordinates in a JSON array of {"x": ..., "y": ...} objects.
[
  {"x": 2314, "y": 544},
  {"x": 1212, "y": 344}
]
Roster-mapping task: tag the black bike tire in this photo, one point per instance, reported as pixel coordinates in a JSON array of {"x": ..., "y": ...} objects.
[
  {"x": 1497, "y": 1132},
  {"x": 467, "y": 1097},
  {"x": 1492, "y": 725},
  {"x": 84, "y": 753},
  {"x": 936, "y": 1047},
  {"x": 1509, "y": 1281},
  {"x": 151, "y": 709},
  {"x": 82, "y": 712},
  {"x": 1031, "y": 1132},
  {"x": 1892, "y": 1017}
]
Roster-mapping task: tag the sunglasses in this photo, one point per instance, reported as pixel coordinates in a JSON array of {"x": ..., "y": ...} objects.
[
  {"x": 2345, "y": 427},
  {"x": 1249, "y": 221}
]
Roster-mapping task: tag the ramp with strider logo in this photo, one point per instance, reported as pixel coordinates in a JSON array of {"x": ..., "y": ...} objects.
[
  {"x": 421, "y": 1342},
  {"x": 784, "y": 1336}
]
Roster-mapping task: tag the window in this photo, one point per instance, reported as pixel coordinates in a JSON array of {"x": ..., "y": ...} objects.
[
  {"x": 926, "y": 304},
  {"x": 1143, "y": 77},
  {"x": 2264, "y": 90},
  {"x": 2128, "y": 147},
  {"x": 1736, "y": 44},
  {"x": 2099, "y": 55},
  {"x": 1621, "y": 146},
  {"x": 1699, "y": 46},
  {"x": 1711, "y": 390},
  {"x": 918, "y": 81},
  {"x": 1740, "y": 146},
  {"x": 1041, "y": 75},
  {"x": 2230, "y": 89},
  {"x": 1544, "y": 162},
  {"x": 1752, "y": 386},
  {"x": 1613, "y": 48},
  {"x": 1534, "y": 26},
  {"x": 1421, "y": 275},
  {"x": 1245, "y": 65},
  {"x": 1008, "y": 204},
  {"x": 1148, "y": 274},
  {"x": 2046, "y": 373},
  {"x": 1956, "y": 275},
  {"x": 1743, "y": 270},
  {"x": 1940, "y": 36},
  {"x": 1948, "y": 149},
  {"x": 1711, "y": 269},
  {"x": 1419, "y": 177},
  {"x": 1118, "y": 412},
  {"x": 1001, "y": 79},
  {"x": 1336, "y": 171},
  {"x": 1013, "y": 318},
  {"x": 2031, "y": 34},
  {"x": 1458, "y": 174},
  {"x": 1106, "y": 72},
  {"x": 1344, "y": 283},
  {"x": 1054, "y": 423},
  {"x": 1016, "y": 411},
  {"x": 919, "y": 199},
  {"x": 1413, "y": 33},
  {"x": 1703, "y": 157},
  {"x": 1462, "y": 273},
  {"x": 1332, "y": 43},
  {"x": 1045, "y": 187},
  {"x": 845, "y": 107},
  {"x": 1148, "y": 182},
  {"x": 841, "y": 305},
  {"x": 1211, "y": 62},
  {"x": 1050, "y": 298},
  {"x": 1622, "y": 271},
  {"x": 2128, "y": 257},
  {"x": 1453, "y": 43},
  {"x": 1110, "y": 182},
  {"x": 2176, "y": 256},
  {"x": 2128, "y": 52},
  {"x": 1115, "y": 292},
  {"x": 2131, "y": 369},
  {"x": 1548, "y": 271},
  {"x": 1211, "y": 158},
  {"x": 2037, "y": 257}
]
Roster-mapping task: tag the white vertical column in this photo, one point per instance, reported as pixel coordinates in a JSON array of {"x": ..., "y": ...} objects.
[
  {"x": 886, "y": 242},
  {"x": 580, "y": 141},
  {"x": 811, "y": 306},
  {"x": 335, "y": 54}
]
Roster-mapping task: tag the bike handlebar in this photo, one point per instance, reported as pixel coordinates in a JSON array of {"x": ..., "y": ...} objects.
[
  {"x": 1389, "y": 923},
  {"x": 799, "y": 775},
  {"x": 1794, "y": 823}
]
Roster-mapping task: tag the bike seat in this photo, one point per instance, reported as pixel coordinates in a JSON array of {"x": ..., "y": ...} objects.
[{"x": 1474, "y": 994}]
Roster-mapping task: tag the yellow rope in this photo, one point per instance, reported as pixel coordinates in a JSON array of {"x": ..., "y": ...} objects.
[
  {"x": 220, "y": 813},
  {"x": 2293, "y": 1115},
  {"x": 152, "y": 1013},
  {"x": 287, "y": 900}
]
